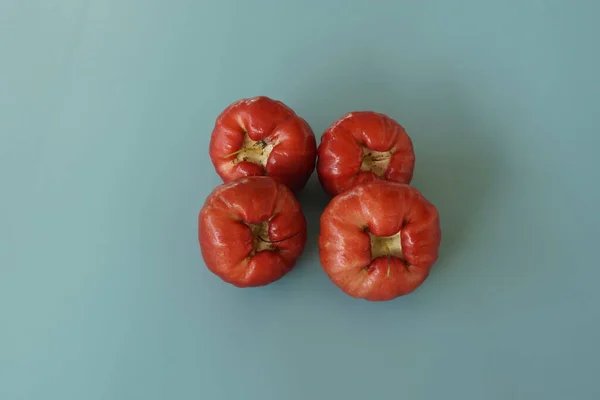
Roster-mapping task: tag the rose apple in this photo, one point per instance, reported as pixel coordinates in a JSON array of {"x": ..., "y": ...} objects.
[
  {"x": 378, "y": 240},
  {"x": 251, "y": 231},
  {"x": 262, "y": 136},
  {"x": 364, "y": 146}
]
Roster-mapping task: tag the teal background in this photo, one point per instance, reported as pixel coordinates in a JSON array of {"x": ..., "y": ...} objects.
[{"x": 106, "y": 110}]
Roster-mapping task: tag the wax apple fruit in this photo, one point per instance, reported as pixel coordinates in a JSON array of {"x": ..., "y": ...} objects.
[
  {"x": 262, "y": 136},
  {"x": 251, "y": 231},
  {"x": 378, "y": 240},
  {"x": 364, "y": 146}
]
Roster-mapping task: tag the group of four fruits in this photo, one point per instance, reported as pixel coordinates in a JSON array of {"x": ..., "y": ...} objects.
[{"x": 379, "y": 236}]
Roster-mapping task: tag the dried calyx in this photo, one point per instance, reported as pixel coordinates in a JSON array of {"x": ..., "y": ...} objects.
[
  {"x": 259, "y": 232},
  {"x": 253, "y": 151},
  {"x": 386, "y": 246},
  {"x": 376, "y": 161},
  {"x": 260, "y": 238}
]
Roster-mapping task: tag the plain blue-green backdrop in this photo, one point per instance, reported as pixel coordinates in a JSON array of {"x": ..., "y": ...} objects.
[{"x": 106, "y": 109}]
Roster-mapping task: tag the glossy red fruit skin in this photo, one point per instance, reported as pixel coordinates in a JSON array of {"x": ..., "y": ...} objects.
[
  {"x": 382, "y": 208},
  {"x": 293, "y": 157},
  {"x": 340, "y": 152},
  {"x": 225, "y": 236}
]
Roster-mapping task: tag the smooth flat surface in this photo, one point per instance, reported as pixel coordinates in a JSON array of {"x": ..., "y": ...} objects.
[{"x": 106, "y": 109}]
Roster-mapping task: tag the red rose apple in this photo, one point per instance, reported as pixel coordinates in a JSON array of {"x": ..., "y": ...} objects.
[
  {"x": 262, "y": 136},
  {"x": 251, "y": 231},
  {"x": 364, "y": 146},
  {"x": 379, "y": 240}
]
